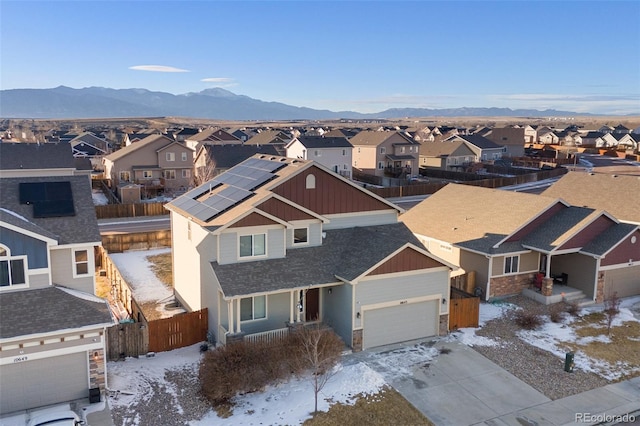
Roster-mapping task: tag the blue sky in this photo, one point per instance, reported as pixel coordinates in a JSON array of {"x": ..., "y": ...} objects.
[{"x": 363, "y": 56}]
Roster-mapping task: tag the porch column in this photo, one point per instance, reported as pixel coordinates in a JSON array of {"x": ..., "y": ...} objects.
[
  {"x": 292, "y": 301},
  {"x": 238, "y": 317},
  {"x": 230, "y": 316},
  {"x": 548, "y": 271},
  {"x": 300, "y": 301}
]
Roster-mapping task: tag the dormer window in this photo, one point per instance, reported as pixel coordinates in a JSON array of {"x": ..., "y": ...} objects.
[{"x": 300, "y": 236}]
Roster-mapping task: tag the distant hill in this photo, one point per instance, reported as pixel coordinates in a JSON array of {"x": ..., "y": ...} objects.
[{"x": 100, "y": 102}]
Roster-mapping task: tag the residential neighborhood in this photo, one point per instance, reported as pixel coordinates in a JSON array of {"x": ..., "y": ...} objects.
[{"x": 413, "y": 245}]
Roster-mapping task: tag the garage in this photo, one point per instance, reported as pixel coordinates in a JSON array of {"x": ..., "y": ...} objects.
[
  {"x": 399, "y": 323},
  {"x": 67, "y": 378},
  {"x": 624, "y": 281}
]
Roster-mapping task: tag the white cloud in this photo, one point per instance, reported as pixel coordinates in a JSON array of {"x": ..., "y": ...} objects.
[
  {"x": 587, "y": 103},
  {"x": 217, "y": 80},
  {"x": 157, "y": 68}
]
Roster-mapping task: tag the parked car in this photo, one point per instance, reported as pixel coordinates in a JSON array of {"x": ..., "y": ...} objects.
[{"x": 57, "y": 418}]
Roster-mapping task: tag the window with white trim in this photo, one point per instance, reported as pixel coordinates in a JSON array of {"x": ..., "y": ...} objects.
[
  {"x": 186, "y": 173},
  {"x": 300, "y": 236},
  {"x": 344, "y": 152},
  {"x": 147, "y": 174},
  {"x": 511, "y": 264},
  {"x": 253, "y": 245},
  {"x": 170, "y": 156},
  {"x": 169, "y": 174},
  {"x": 383, "y": 150},
  {"x": 125, "y": 176},
  {"x": 380, "y": 165},
  {"x": 12, "y": 268},
  {"x": 80, "y": 262},
  {"x": 184, "y": 156},
  {"x": 317, "y": 153},
  {"x": 253, "y": 308},
  {"x": 310, "y": 182}
]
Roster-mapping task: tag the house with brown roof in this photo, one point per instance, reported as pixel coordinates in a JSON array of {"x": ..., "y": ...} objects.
[
  {"x": 385, "y": 153},
  {"x": 484, "y": 148},
  {"x": 275, "y": 243},
  {"x": 512, "y": 138},
  {"x": 508, "y": 238},
  {"x": 52, "y": 326},
  {"x": 157, "y": 163},
  {"x": 446, "y": 155}
]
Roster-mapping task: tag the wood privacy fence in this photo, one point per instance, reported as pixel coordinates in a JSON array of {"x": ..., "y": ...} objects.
[
  {"x": 465, "y": 282},
  {"x": 118, "y": 243},
  {"x": 124, "y": 340},
  {"x": 130, "y": 210},
  {"x": 178, "y": 331},
  {"x": 464, "y": 310}
]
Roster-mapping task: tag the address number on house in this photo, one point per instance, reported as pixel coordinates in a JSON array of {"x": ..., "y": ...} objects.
[
  {"x": 20, "y": 359},
  {"x": 403, "y": 302}
]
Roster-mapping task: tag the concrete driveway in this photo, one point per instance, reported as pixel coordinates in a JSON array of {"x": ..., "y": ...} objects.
[{"x": 459, "y": 386}]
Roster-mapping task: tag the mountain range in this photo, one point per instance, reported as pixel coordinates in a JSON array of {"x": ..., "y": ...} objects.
[{"x": 99, "y": 102}]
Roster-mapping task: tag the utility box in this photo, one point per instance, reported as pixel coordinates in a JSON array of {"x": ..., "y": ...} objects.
[
  {"x": 568, "y": 362},
  {"x": 94, "y": 395}
]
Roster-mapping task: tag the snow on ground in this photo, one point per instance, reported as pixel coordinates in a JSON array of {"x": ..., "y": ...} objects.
[
  {"x": 287, "y": 403},
  {"x": 488, "y": 312},
  {"x": 146, "y": 287},
  {"x": 99, "y": 199}
]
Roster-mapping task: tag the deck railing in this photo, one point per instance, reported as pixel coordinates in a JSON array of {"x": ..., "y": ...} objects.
[{"x": 267, "y": 336}]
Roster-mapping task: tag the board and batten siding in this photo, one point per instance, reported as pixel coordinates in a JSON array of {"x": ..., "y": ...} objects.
[
  {"x": 62, "y": 270},
  {"x": 337, "y": 310},
  {"x": 24, "y": 245},
  {"x": 391, "y": 287}
]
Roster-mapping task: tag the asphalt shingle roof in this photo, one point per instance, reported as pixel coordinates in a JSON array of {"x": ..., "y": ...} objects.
[
  {"x": 346, "y": 253},
  {"x": 312, "y": 142},
  {"x": 559, "y": 228},
  {"x": 14, "y": 156},
  {"x": 81, "y": 228},
  {"x": 57, "y": 309},
  {"x": 227, "y": 156},
  {"x": 606, "y": 240}
]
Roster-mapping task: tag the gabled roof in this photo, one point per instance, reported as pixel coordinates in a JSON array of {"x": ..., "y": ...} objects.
[
  {"x": 267, "y": 137},
  {"x": 341, "y": 133},
  {"x": 477, "y": 217},
  {"x": 227, "y": 156},
  {"x": 57, "y": 309},
  {"x": 319, "y": 142},
  {"x": 558, "y": 229},
  {"x": 149, "y": 140},
  {"x": 443, "y": 149},
  {"x": 375, "y": 138},
  {"x": 15, "y": 156},
  {"x": 345, "y": 254},
  {"x": 616, "y": 194},
  {"x": 81, "y": 228},
  {"x": 606, "y": 241},
  {"x": 476, "y": 140}
]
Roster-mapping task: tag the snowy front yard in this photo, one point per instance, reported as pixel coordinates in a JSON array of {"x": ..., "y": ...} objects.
[{"x": 138, "y": 388}]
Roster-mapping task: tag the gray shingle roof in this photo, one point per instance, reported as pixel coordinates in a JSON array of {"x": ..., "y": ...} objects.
[
  {"x": 15, "y": 156},
  {"x": 346, "y": 253},
  {"x": 558, "y": 229},
  {"x": 57, "y": 309},
  {"x": 227, "y": 156},
  {"x": 480, "y": 141},
  {"x": 606, "y": 240},
  {"x": 81, "y": 228}
]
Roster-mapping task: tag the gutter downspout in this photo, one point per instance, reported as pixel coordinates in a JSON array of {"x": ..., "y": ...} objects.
[{"x": 486, "y": 296}]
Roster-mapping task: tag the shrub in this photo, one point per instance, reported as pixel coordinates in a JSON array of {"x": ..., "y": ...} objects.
[
  {"x": 556, "y": 315},
  {"x": 527, "y": 320},
  {"x": 573, "y": 309}
]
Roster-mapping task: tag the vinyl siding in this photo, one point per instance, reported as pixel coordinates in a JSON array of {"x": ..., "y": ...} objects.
[
  {"x": 361, "y": 219},
  {"x": 229, "y": 242},
  {"x": 277, "y": 315},
  {"x": 314, "y": 235},
  {"x": 528, "y": 262},
  {"x": 39, "y": 280},
  {"x": 62, "y": 270},
  {"x": 385, "y": 288},
  {"x": 337, "y": 310}
]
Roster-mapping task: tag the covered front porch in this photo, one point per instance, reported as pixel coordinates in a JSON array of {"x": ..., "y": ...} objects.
[
  {"x": 564, "y": 277},
  {"x": 267, "y": 317}
]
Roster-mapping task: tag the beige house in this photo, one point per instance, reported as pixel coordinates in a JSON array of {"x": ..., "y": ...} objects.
[
  {"x": 446, "y": 155},
  {"x": 385, "y": 153},
  {"x": 157, "y": 163}
]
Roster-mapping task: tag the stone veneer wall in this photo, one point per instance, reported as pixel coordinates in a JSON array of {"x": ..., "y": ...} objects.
[
  {"x": 510, "y": 284},
  {"x": 600, "y": 288},
  {"x": 96, "y": 369},
  {"x": 444, "y": 325},
  {"x": 357, "y": 341}
]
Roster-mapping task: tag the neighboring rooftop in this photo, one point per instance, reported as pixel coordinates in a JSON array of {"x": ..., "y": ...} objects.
[
  {"x": 16, "y": 156},
  {"x": 227, "y": 156},
  {"x": 618, "y": 194},
  {"x": 316, "y": 142}
]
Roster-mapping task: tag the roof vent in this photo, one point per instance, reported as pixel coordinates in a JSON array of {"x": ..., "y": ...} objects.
[{"x": 614, "y": 176}]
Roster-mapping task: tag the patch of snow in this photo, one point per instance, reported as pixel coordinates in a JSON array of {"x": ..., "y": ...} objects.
[
  {"x": 468, "y": 337},
  {"x": 99, "y": 199},
  {"x": 490, "y": 311},
  {"x": 145, "y": 285},
  {"x": 12, "y": 213},
  {"x": 398, "y": 363}
]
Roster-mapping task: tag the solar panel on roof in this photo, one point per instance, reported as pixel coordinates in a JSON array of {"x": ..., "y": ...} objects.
[
  {"x": 53, "y": 208},
  {"x": 49, "y": 199}
]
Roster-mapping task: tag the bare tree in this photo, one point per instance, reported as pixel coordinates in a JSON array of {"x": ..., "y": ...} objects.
[
  {"x": 319, "y": 351},
  {"x": 611, "y": 309},
  {"x": 203, "y": 173}
]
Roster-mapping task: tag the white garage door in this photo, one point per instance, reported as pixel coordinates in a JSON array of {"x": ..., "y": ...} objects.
[
  {"x": 624, "y": 281},
  {"x": 400, "y": 323},
  {"x": 41, "y": 382}
]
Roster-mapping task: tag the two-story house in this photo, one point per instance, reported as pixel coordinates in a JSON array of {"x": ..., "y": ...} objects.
[
  {"x": 387, "y": 153},
  {"x": 334, "y": 153},
  {"x": 275, "y": 242},
  {"x": 485, "y": 149},
  {"x": 52, "y": 327},
  {"x": 446, "y": 156},
  {"x": 157, "y": 163}
]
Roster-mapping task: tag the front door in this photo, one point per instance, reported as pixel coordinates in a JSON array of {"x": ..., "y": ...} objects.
[{"x": 312, "y": 305}]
